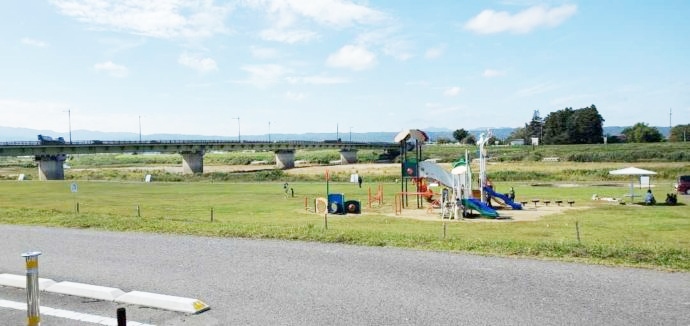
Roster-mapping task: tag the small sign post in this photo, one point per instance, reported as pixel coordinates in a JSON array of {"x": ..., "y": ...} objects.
[{"x": 74, "y": 188}]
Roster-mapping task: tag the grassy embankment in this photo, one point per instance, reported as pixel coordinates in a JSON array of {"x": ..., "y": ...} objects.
[{"x": 630, "y": 235}]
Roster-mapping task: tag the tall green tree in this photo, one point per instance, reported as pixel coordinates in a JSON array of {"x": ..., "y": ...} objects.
[
  {"x": 568, "y": 126},
  {"x": 535, "y": 128},
  {"x": 460, "y": 134},
  {"x": 556, "y": 127},
  {"x": 642, "y": 133},
  {"x": 586, "y": 126},
  {"x": 680, "y": 133}
]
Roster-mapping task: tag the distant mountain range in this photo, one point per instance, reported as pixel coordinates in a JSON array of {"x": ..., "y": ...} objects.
[{"x": 10, "y": 134}]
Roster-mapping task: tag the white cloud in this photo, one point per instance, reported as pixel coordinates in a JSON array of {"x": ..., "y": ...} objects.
[
  {"x": 263, "y": 53},
  {"x": 335, "y": 13},
  {"x": 160, "y": 18},
  {"x": 435, "y": 52},
  {"x": 398, "y": 49},
  {"x": 490, "y": 73},
  {"x": 392, "y": 45},
  {"x": 264, "y": 75},
  {"x": 33, "y": 42},
  {"x": 317, "y": 80},
  {"x": 112, "y": 69},
  {"x": 295, "y": 96},
  {"x": 292, "y": 21},
  {"x": 197, "y": 63},
  {"x": 353, "y": 57},
  {"x": 490, "y": 22},
  {"x": 452, "y": 91},
  {"x": 289, "y": 36}
]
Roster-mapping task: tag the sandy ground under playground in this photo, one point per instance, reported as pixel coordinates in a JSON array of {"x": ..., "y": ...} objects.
[{"x": 529, "y": 213}]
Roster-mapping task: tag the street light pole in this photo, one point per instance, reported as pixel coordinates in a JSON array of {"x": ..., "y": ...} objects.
[
  {"x": 269, "y": 131},
  {"x": 140, "y": 129},
  {"x": 350, "y": 134},
  {"x": 69, "y": 124},
  {"x": 239, "y": 137}
]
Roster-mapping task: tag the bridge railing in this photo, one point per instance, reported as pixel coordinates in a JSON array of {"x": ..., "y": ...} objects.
[{"x": 192, "y": 142}]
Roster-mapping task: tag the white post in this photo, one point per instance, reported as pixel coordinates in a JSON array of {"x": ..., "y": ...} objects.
[{"x": 32, "y": 291}]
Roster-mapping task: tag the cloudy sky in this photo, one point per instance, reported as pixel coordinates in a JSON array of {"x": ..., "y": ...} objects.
[{"x": 290, "y": 66}]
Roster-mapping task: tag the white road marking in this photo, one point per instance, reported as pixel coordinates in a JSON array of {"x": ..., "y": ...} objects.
[{"x": 61, "y": 313}]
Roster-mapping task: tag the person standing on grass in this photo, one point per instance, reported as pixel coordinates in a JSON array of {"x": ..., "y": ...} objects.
[{"x": 359, "y": 180}]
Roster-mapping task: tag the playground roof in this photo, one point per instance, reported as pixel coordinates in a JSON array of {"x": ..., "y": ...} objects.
[{"x": 415, "y": 134}]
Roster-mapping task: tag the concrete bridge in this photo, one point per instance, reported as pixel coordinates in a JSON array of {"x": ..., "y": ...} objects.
[{"x": 51, "y": 156}]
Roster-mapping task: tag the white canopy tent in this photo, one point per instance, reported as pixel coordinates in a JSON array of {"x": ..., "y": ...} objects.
[{"x": 632, "y": 172}]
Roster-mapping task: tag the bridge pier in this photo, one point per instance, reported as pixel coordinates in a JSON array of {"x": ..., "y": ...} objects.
[
  {"x": 50, "y": 166},
  {"x": 285, "y": 158},
  {"x": 193, "y": 162},
  {"x": 348, "y": 156}
]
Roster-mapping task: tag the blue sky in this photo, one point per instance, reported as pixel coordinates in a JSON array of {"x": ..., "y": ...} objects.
[{"x": 294, "y": 66}]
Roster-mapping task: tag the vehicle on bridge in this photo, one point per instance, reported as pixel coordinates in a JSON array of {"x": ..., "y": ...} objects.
[{"x": 46, "y": 140}]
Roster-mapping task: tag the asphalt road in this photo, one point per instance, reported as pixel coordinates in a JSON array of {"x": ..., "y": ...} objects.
[{"x": 264, "y": 282}]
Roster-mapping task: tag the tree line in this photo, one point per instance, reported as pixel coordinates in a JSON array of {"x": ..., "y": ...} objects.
[{"x": 578, "y": 126}]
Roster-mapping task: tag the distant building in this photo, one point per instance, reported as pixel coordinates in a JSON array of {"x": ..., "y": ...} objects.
[{"x": 517, "y": 142}]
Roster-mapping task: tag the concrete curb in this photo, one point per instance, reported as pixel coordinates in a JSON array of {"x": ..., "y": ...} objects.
[
  {"x": 86, "y": 290},
  {"x": 161, "y": 301},
  {"x": 153, "y": 300},
  {"x": 19, "y": 281}
]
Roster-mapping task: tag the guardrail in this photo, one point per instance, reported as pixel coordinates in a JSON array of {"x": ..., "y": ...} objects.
[{"x": 20, "y": 148}]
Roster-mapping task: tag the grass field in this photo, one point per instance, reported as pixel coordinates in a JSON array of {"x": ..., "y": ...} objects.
[{"x": 630, "y": 235}]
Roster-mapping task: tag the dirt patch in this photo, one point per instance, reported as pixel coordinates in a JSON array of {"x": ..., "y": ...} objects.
[
  {"x": 528, "y": 213},
  {"x": 366, "y": 169}
]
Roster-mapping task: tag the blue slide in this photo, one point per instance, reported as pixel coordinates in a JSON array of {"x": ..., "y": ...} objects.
[
  {"x": 503, "y": 197},
  {"x": 480, "y": 207}
]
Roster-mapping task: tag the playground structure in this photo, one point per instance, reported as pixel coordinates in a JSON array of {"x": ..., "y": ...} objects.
[
  {"x": 335, "y": 203},
  {"x": 376, "y": 198},
  {"x": 458, "y": 198}
]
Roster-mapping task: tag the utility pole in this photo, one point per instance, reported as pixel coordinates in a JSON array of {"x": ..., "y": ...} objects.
[
  {"x": 239, "y": 136},
  {"x": 69, "y": 124},
  {"x": 269, "y": 131},
  {"x": 140, "y": 129}
]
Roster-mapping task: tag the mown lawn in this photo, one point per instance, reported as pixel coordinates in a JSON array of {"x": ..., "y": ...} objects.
[{"x": 630, "y": 235}]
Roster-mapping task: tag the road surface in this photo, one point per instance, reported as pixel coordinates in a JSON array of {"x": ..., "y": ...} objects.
[{"x": 267, "y": 282}]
